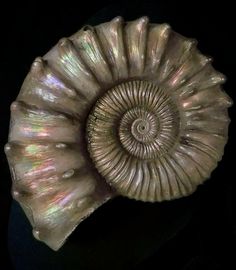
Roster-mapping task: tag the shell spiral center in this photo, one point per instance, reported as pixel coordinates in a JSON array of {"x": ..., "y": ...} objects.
[{"x": 135, "y": 120}]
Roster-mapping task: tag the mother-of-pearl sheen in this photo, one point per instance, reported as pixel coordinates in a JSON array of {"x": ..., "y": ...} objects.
[{"x": 121, "y": 108}]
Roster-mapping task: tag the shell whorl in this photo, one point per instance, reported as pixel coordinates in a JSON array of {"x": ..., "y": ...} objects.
[
  {"x": 119, "y": 108},
  {"x": 131, "y": 126}
]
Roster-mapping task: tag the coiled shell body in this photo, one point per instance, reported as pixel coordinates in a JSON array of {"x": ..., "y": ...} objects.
[{"x": 120, "y": 108}]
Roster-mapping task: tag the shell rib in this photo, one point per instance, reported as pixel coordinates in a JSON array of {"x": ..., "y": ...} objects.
[{"x": 128, "y": 108}]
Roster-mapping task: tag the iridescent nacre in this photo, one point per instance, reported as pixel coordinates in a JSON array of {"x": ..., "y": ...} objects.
[{"x": 122, "y": 108}]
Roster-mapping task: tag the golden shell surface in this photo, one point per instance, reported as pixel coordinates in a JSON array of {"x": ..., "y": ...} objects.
[{"x": 128, "y": 108}]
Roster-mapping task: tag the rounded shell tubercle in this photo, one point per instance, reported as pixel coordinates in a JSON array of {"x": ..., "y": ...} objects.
[{"x": 121, "y": 108}]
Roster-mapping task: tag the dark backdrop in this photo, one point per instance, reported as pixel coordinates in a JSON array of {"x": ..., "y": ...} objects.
[{"x": 197, "y": 232}]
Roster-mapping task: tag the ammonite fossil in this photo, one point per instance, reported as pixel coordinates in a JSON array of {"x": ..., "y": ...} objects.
[{"x": 122, "y": 108}]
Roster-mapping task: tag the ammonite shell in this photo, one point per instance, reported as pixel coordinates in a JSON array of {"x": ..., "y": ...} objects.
[{"x": 120, "y": 108}]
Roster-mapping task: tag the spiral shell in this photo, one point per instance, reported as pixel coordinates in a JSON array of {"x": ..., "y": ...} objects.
[{"x": 120, "y": 108}]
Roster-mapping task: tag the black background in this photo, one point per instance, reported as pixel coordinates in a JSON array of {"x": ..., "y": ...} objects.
[{"x": 197, "y": 232}]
